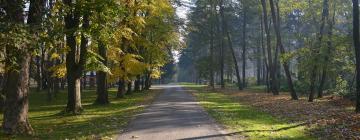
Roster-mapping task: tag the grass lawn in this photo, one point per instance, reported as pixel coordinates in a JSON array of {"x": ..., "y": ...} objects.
[
  {"x": 94, "y": 123},
  {"x": 246, "y": 120}
]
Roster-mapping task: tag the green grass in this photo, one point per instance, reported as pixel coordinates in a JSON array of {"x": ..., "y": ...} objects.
[
  {"x": 95, "y": 122},
  {"x": 248, "y": 121}
]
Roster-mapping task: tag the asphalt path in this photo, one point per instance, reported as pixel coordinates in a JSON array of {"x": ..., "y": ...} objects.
[{"x": 174, "y": 115}]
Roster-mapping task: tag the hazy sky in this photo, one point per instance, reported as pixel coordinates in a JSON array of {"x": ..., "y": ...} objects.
[
  {"x": 182, "y": 13},
  {"x": 183, "y": 10}
]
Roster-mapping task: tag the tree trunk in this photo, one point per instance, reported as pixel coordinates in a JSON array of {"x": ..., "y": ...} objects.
[
  {"x": 228, "y": 36},
  {"x": 16, "y": 103},
  {"x": 75, "y": 58},
  {"x": 121, "y": 89},
  {"x": 102, "y": 87},
  {"x": 222, "y": 50},
  {"x": 356, "y": 37},
  {"x": 2, "y": 93},
  {"x": 129, "y": 88},
  {"x": 83, "y": 81},
  {"x": 16, "y": 87},
  {"x": 272, "y": 77},
  {"x": 92, "y": 79},
  {"x": 137, "y": 84},
  {"x": 147, "y": 81},
  {"x": 323, "y": 78},
  {"x": 316, "y": 50},
  {"x": 142, "y": 83},
  {"x": 212, "y": 82},
  {"x": 282, "y": 50},
  {"x": 39, "y": 79},
  {"x": 244, "y": 48}
]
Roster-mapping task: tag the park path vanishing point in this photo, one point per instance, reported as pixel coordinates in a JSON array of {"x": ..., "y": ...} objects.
[{"x": 174, "y": 115}]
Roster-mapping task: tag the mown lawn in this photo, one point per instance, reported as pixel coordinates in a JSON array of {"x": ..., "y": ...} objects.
[
  {"x": 245, "y": 120},
  {"x": 96, "y": 122}
]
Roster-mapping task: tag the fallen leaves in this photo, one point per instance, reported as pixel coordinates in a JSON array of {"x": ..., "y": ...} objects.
[{"x": 327, "y": 118}]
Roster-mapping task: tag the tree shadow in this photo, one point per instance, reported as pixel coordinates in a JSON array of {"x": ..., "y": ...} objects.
[{"x": 247, "y": 131}]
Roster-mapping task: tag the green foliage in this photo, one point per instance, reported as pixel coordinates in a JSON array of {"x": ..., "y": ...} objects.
[{"x": 341, "y": 87}]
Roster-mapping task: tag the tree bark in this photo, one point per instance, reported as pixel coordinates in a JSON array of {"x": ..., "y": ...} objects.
[
  {"x": 102, "y": 87},
  {"x": 16, "y": 87},
  {"x": 121, "y": 89},
  {"x": 282, "y": 50},
  {"x": 142, "y": 83},
  {"x": 75, "y": 57},
  {"x": 147, "y": 81},
  {"x": 266, "y": 65},
  {"x": 2, "y": 93},
  {"x": 323, "y": 78},
  {"x": 137, "y": 84},
  {"x": 356, "y": 37},
  {"x": 16, "y": 103},
  {"x": 129, "y": 88},
  {"x": 92, "y": 79},
  {"x": 244, "y": 47},
  {"x": 272, "y": 76},
  {"x": 212, "y": 74},
  {"x": 222, "y": 50}
]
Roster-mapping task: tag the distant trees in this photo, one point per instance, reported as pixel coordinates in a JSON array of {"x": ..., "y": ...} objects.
[{"x": 309, "y": 39}]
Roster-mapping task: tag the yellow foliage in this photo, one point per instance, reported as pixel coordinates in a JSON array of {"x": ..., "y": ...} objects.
[{"x": 59, "y": 71}]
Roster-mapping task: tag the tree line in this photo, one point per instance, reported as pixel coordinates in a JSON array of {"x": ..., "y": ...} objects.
[
  {"x": 57, "y": 42},
  {"x": 302, "y": 47}
]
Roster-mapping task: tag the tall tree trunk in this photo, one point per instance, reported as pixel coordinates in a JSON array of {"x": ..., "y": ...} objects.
[
  {"x": 323, "y": 77},
  {"x": 244, "y": 47},
  {"x": 102, "y": 87},
  {"x": 272, "y": 76},
  {"x": 356, "y": 37},
  {"x": 282, "y": 50},
  {"x": 228, "y": 36},
  {"x": 266, "y": 65},
  {"x": 222, "y": 50},
  {"x": 316, "y": 50},
  {"x": 75, "y": 58},
  {"x": 212, "y": 73},
  {"x": 16, "y": 103},
  {"x": 259, "y": 66},
  {"x": 16, "y": 87}
]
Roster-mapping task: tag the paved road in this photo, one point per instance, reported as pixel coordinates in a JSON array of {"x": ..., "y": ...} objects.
[{"x": 173, "y": 116}]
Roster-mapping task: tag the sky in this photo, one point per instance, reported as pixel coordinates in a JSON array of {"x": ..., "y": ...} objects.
[
  {"x": 182, "y": 13},
  {"x": 183, "y": 10}
]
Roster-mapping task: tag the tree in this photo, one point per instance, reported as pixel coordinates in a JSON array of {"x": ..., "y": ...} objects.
[
  {"x": 17, "y": 63},
  {"x": 101, "y": 77},
  {"x": 228, "y": 37},
  {"x": 356, "y": 37},
  {"x": 275, "y": 18},
  {"x": 76, "y": 56},
  {"x": 324, "y": 18},
  {"x": 272, "y": 80}
]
